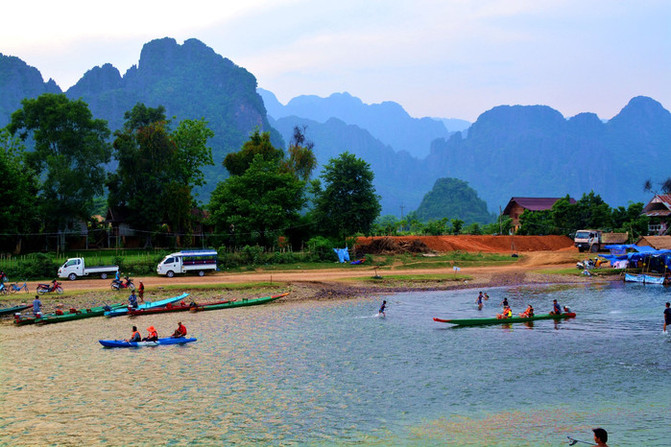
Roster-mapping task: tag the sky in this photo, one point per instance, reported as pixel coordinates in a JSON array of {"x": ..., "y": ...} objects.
[{"x": 439, "y": 58}]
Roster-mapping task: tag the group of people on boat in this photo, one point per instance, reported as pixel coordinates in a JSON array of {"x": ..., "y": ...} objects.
[
  {"x": 529, "y": 311},
  {"x": 152, "y": 333}
]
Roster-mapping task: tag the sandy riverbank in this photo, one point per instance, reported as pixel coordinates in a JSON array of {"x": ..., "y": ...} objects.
[{"x": 331, "y": 284}]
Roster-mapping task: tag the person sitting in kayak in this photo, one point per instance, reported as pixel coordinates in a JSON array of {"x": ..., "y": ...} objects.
[
  {"x": 567, "y": 310},
  {"x": 152, "y": 334},
  {"x": 507, "y": 313},
  {"x": 180, "y": 331},
  {"x": 528, "y": 313},
  {"x": 132, "y": 300},
  {"x": 135, "y": 335},
  {"x": 556, "y": 308}
]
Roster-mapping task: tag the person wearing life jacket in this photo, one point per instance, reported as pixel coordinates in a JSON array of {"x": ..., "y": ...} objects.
[
  {"x": 507, "y": 313},
  {"x": 180, "y": 331},
  {"x": 528, "y": 313},
  {"x": 135, "y": 335},
  {"x": 556, "y": 308},
  {"x": 152, "y": 334}
]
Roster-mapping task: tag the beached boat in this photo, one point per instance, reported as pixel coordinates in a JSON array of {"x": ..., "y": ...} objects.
[
  {"x": 77, "y": 314},
  {"x": 139, "y": 344},
  {"x": 14, "y": 309},
  {"x": 181, "y": 307},
  {"x": 643, "y": 278},
  {"x": 487, "y": 321},
  {"x": 241, "y": 302},
  {"x": 146, "y": 305}
]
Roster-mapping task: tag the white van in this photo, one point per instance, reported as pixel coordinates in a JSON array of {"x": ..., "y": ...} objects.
[{"x": 187, "y": 261}]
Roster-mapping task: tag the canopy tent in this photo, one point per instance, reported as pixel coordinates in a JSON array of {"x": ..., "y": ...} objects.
[{"x": 642, "y": 253}]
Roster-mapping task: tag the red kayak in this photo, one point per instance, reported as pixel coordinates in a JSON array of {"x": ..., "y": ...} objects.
[{"x": 181, "y": 307}]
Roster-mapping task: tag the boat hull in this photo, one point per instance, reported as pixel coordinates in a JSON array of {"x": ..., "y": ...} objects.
[
  {"x": 12, "y": 310},
  {"x": 241, "y": 303},
  {"x": 169, "y": 308},
  {"x": 490, "y": 321},
  {"x": 140, "y": 344},
  {"x": 161, "y": 303}
]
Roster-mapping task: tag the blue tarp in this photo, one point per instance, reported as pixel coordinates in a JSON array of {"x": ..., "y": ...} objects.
[
  {"x": 642, "y": 252},
  {"x": 343, "y": 254}
]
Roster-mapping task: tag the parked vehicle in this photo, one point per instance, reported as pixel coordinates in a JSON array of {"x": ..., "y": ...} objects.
[
  {"x": 596, "y": 240},
  {"x": 76, "y": 267},
  {"x": 197, "y": 261},
  {"x": 54, "y": 286},
  {"x": 120, "y": 284},
  {"x": 17, "y": 288}
]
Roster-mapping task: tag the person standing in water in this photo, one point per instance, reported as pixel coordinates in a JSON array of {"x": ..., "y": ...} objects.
[
  {"x": 667, "y": 315},
  {"x": 600, "y": 437},
  {"x": 478, "y": 301},
  {"x": 382, "y": 308}
]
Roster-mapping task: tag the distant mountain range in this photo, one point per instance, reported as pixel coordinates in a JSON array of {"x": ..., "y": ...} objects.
[{"x": 509, "y": 151}]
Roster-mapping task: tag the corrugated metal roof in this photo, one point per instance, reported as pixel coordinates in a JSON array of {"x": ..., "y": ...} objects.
[{"x": 534, "y": 203}]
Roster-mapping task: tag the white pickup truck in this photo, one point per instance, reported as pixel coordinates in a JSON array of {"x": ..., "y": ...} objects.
[
  {"x": 196, "y": 261},
  {"x": 75, "y": 267}
]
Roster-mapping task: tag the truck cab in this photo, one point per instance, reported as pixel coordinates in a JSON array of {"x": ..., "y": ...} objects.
[{"x": 588, "y": 240}]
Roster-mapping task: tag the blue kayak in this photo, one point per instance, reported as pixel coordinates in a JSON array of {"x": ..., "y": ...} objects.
[
  {"x": 146, "y": 305},
  {"x": 139, "y": 344}
]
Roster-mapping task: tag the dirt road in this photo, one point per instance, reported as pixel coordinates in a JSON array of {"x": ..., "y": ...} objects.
[{"x": 528, "y": 263}]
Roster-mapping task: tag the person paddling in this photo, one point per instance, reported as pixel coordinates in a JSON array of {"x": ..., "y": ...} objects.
[
  {"x": 135, "y": 335},
  {"x": 556, "y": 308},
  {"x": 180, "y": 331}
]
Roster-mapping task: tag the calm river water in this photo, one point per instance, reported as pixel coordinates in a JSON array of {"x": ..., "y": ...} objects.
[{"x": 334, "y": 374}]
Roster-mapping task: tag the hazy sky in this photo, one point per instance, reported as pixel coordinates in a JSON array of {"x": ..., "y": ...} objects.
[{"x": 444, "y": 58}]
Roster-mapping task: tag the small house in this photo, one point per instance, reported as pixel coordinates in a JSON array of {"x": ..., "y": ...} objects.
[
  {"x": 659, "y": 212},
  {"x": 517, "y": 205}
]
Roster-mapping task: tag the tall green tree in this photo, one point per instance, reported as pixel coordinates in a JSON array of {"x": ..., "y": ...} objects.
[
  {"x": 257, "y": 206},
  {"x": 158, "y": 169},
  {"x": 70, "y": 150},
  {"x": 302, "y": 160},
  {"x": 348, "y": 203},
  {"x": 258, "y": 144},
  {"x": 19, "y": 213}
]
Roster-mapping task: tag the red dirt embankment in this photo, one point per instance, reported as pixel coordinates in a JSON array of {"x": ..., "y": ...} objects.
[{"x": 485, "y": 244}]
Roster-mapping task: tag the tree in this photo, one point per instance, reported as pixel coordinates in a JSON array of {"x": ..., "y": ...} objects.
[
  {"x": 257, "y": 205},
  {"x": 302, "y": 160},
  {"x": 70, "y": 150},
  {"x": 18, "y": 190},
  {"x": 158, "y": 169},
  {"x": 258, "y": 144},
  {"x": 348, "y": 203}
]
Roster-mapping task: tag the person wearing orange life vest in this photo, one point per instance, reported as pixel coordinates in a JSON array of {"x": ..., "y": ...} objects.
[
  {"x": 507, "y": 313},
  {"x": 152, "y": 334},
  {"x": 135, "y": 336},
  {"x": 180, "y": 331},
  {"x": 528, "y": 313}
]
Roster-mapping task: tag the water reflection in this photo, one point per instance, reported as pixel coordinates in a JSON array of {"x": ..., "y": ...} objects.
[{"x": 329, "y": 373}]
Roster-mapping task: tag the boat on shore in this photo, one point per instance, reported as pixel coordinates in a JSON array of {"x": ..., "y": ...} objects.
[
  {"x": 139, "y": 344},
  {"x": 181, "y": 307},
  {"x": 68, "y": 315},
  {"x": 146, "y": 305},
  {"x": 489, "y": 321},
  {"x": 240, "y": 303},
  {"x": 643, "y": 278},
  {"x": 14, "y": 309}
]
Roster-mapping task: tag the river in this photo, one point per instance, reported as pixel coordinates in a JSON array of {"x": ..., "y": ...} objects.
[{"x": 332, "y": 373}]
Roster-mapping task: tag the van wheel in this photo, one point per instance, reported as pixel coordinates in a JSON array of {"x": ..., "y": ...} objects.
[
  {"x": 72, "y": 276},
  {"x": 170, "y": 274},
  {"x": 201, "y": 273},
  {"x": 103, "y": 275}
]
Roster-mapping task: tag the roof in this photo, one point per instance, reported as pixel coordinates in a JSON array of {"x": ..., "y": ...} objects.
[
  {"x": 660, "y": 205},
  {"x": 534, "y": 203},
  {"x": 656, "y": 242}
]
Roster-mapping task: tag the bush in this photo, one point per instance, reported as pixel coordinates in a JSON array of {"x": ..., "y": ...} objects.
[
  {"x": 321, "y": 249},
  {"x": 34, "y": 266}
]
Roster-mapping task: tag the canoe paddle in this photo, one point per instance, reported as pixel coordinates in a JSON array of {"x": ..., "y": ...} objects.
[{"x": 572, "y": 441}]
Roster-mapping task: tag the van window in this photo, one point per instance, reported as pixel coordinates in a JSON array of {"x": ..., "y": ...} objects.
[
  {"x": 72, "y": 262},
  {"x": 169, "y": 261}
]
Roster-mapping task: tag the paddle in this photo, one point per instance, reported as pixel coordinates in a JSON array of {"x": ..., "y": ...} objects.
[{"x": 572, "y": 441}]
